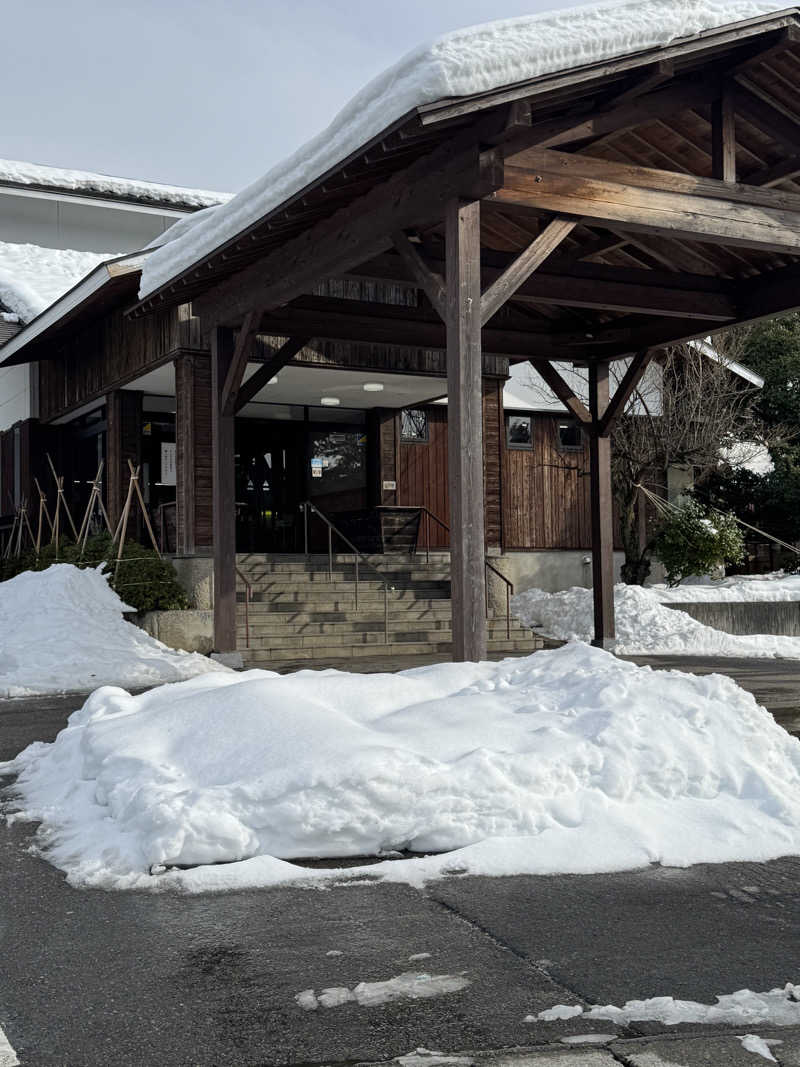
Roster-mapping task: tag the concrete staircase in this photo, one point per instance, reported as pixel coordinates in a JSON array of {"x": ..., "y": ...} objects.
[{"x": 300, "y": 615}]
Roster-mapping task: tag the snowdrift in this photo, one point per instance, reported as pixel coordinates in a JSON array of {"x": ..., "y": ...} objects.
[
  {"x": 646, "y": 627},
  {"x": 62, "y": 629},
  {"x": 565, "y": 761}
]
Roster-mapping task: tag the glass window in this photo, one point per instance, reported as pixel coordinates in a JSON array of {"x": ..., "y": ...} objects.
[
  {"x": 414, "y": 425},
  {"x": 519, "y": 431},
  {"x": 570, "y": 437}
]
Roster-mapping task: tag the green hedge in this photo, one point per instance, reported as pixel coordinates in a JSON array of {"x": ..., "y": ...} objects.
[
  {"x": 142, "y": 580},
  {"x": 695, "y": 541}
]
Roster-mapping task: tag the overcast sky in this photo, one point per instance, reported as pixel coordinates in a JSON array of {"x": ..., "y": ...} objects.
[{"x": 206, "y": 94}]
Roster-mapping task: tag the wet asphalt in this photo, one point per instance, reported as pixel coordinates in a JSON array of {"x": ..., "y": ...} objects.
[{"x": 94, "y": 978}]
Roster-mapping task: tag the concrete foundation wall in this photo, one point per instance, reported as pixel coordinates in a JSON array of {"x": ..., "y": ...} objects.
[
  {"x": 192, "y": 630},
  {"x": 196, "y": 575},
  {"x": 747, "y": 618},
  {"x": 550, "y": 570}
]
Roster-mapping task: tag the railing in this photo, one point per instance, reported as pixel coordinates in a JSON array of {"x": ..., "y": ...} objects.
[
  {"x": 307, "y": 506},
  {"x": 487, "y": 565},
  {"x": 248, "y": 593}
]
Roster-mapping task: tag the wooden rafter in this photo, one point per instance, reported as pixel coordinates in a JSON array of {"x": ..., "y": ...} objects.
[
  {"x": 565, "y": 393},
  {"x": 430, "y": 281},
  {"x": 518, "y": 272},
  {"x": 267, "y": 371},
  {"x": 622, "y": 394},
  {"x": 238, "y": 364}
]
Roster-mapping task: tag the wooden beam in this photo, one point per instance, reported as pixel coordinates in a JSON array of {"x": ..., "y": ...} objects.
[
  {"x": 602, "y": 510},
  {"x": 766, "y": 114},
  {"x": 504, "y": 287},
  {"x": 785, "y": 170},
  {"x": 413, "y": 197},
  {"x": 652, "y": 201},
  {"x": 233, "y": 378},
  {"x": 465, "y": 430},
  {"x": 622, "y": 394},
  {"x": 723, "y": 138},
  {"x": 431, "y": 282},
  {"x": 594, "y": 286},
  {"x": 267, "y": 371},
  {"x": 222, "y": 436},
  {"x": 563, "y": 391}
]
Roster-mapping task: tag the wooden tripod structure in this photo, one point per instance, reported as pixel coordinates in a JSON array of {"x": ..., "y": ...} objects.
[
  {"x": 61, "y": 505},
  {"x": 44, "y": 514},
  {"x": 95, "y": 503},
  {"x": 134, "y": 490}
]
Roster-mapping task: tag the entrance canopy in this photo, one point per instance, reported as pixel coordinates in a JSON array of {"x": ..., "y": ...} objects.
[{"x": 592, "y": 185}]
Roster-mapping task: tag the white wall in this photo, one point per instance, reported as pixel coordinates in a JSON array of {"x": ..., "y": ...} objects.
[{"x": 15, "y": 395}]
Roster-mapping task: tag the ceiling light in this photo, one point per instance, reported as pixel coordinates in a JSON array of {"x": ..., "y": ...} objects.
[
  {"x": 329, "y": 401},
  {"x": 273, "y": 381},
  {"x": 373, "y": 387}
]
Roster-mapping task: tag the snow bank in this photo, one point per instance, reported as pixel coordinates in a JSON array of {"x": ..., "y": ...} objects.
[
  {"x": 62, "y": 629},
  {"x": 646, "y": 627},
  {"x": 778, "y": 1007},
  {"x": 472, "y": 60},
  {"x": 84, "y": 181},
  {"x": 777, "y": 586},
  {"x": 565, "y": 761},
  {"x": 32, "y": 277}
]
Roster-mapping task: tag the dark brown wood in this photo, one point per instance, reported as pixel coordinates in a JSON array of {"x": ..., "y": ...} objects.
[
  {"x": 432, "y": 283},
  {"x": 123, "y": 443},
  {"x": 222, "y": 432},
  {"x": 766, "y": 113},
  {"x": 653, "y": 201},
  {"x": 602, "y": 510},
  {"x": 785, "y": 170},
  {"x": 194, "y": 522},
  {"x": 267, "y": 371},
  {"x": 563, "y": 391},
  {"x": 723, "y": 137},
  {"x": 515, "y": 275},
  {"x": 363, "y": 229},
  {"x": 233, "y": 379},
  {"x": 622, "y": 394},
  {"x": 465, "y": 430}
]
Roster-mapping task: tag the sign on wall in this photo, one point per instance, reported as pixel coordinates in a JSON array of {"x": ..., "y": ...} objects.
[{"x": 169, "y": 463}]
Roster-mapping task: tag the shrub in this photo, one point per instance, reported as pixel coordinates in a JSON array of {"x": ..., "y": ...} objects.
[
  {"x": 693, "y": 541},
  {"x": 141, "y": 579}
]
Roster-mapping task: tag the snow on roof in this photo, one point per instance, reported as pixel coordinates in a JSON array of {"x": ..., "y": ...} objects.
[
  {"x": 32, "y": 277},
  {"x": 466, "y": 61},
  {"x": 14, "y": 172}
]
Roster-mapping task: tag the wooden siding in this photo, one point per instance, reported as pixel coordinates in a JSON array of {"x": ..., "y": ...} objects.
[
  {"x": 193, "y": 447},
  {"x": 111, "y": 352},
  {"x": 123, "y": 443}
]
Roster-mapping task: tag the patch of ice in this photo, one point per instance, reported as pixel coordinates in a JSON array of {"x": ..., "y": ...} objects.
[
  {"x": 407, "y": 986},
  {"x": 778, "y": 1007},
  {"x": 419, "y": 956},
  {"x": 756, "y": 1044},
  {"x": 334, "y": 952},
  {"x": 587, "y": 1039},
  {"x": 558, "y": 1011},
  {"x": 565, "y": 761},
  {"x": 472, "y": 60},
  {"x": 646, "y": 627},
  {"x": 62, "y": 629}
]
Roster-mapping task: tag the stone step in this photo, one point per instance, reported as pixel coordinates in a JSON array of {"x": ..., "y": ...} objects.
[
  {"x": 280, "y": 585},
  {"x": 284, "y": 614},
  {"x": 260, "y": 578},
  {"x": 369, "y": 637},
  {"x": 368, "y": 598},
  {"x": 266, "y": 626},
  {"x": 316, "y": 651}
]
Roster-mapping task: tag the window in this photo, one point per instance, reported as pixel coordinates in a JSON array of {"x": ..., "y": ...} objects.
[
  {"x": 519, "y": 431},
  {"x": 570, "y": 437},
  {"x": 414, "y": 425}
]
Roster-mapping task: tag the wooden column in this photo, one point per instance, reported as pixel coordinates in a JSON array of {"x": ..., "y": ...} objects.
[
  {"x": 222, "y": 434},
  {"x": 123, "y": 443},
  {"x": 602, "y": 508},
  {"x": 465, "y": 429},
  {"x": 193, "y": 492}
]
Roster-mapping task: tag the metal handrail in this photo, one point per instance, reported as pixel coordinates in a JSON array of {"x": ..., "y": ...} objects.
[
  {"x": 248, "y": 593},
  {"x": 358, "y": 554},
  {"x": 508, "y": 583}
]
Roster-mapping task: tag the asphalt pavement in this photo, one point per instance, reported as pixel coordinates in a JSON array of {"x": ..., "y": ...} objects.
[{"x": 136, "y": 979}]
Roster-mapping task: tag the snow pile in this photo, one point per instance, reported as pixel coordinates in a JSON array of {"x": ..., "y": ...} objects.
[
  {"x": 778, "y": 1007},
  {"x": 645, "y": 626},
  {"x": 32, "y": 277},
  {"x": 83, "y": 181},
  {"x": 62, "y": 629},
  {"x": 472, "y": 60},
  {"x": 565, "y": 761},
  {"x": 407, "y": 986},
  {"x": 776, "y": 586},
  {"x": 749, "y": 456}
]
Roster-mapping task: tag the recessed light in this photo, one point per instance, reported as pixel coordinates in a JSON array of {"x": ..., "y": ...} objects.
[
  {"x": 373, "y": 387},
  {"x": 329, "y": 401}
]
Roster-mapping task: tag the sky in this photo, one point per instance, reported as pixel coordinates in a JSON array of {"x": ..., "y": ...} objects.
[{"x": 207, "y": 94}]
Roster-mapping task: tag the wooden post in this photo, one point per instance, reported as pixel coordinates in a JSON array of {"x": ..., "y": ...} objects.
[
  {"x": 465, "y": 429},
  {"x": 194, "y": 462},
  {"x": 602, "y": 509},
  {"x": 222, "y": 433}
]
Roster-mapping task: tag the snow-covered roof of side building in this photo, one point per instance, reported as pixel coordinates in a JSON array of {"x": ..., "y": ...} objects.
[
  {"x": 85, "y": 183},
  {"x": 462, "y": 63},
  {"x": 32, "y": 277}
]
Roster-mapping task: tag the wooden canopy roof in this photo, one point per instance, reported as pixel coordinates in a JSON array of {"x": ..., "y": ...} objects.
[{"x": 677, "y": 172}]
